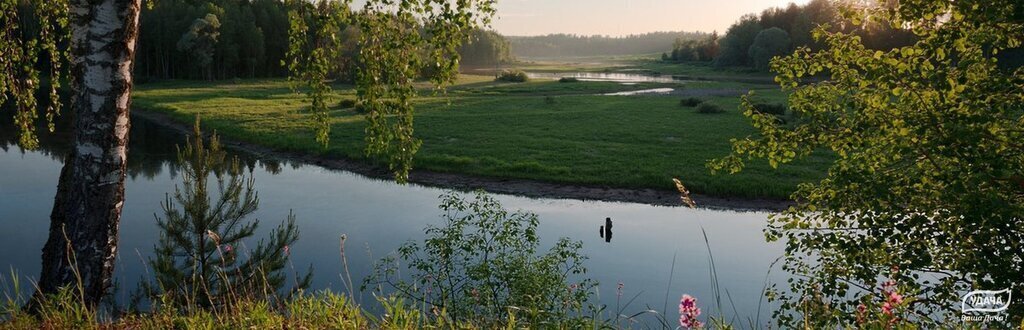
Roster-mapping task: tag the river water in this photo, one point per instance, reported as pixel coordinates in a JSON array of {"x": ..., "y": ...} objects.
[{"x": 378, "y": 216}]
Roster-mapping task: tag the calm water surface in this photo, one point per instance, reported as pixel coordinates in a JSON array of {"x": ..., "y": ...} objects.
[
  {"x": 379, "y": 215},
  {"x": 619, "y": 77}
]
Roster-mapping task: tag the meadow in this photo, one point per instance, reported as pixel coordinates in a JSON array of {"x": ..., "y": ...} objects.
[{"x": 538, "y": 130}]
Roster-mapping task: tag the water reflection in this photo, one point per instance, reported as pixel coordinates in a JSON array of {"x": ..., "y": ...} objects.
[
  {"x": 623, "y": 78},
  {"x": 606, "y": 230},
  {"x": 152, "y": 148},
  {"x": 378, "y": 216}
]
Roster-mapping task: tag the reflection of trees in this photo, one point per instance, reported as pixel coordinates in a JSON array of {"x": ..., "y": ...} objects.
[{"x": 153, "y": 148}]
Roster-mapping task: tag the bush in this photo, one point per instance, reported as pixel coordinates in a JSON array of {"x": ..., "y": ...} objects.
[
  {"x": 775, "y": 109},
  {"x": 448, "y": 269},
  {"x": 513, "y": 76},
  {"x": 568, "y": 80},
  {"x": 347, "y": 103},
  {"x": 706, "y": 107},
  {"x": 690, "y": 102}
]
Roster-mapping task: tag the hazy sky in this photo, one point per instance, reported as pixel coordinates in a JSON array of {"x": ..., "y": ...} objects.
[{"x": 622, "y": 17}]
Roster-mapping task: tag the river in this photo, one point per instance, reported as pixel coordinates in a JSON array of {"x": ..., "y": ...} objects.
[{"x": 377, "y": 216}]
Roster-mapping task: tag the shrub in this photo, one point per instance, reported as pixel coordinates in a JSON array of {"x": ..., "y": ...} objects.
[
  {"x": 449, "y": 268},
  {"x": 568, "y": 79},
  {"x": 513, "y": 76},
  {"x": 775, "y": 109},
  {"x": 690, "y": 102},
  {"x": 347, "y": 103},
  {"x": 706, "y": 107}
]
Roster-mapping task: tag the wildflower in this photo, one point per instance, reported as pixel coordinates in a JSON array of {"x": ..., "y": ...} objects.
[
  {"x": 227, "y": 248},
  {"x": 618, "y": 291},
  {"x": 287, "y": 252},
  {"x": 861, "y": 310},
  {"x": 688, "y": 313},
  {"x": 895, "y": 298},
  {"x": 887, "y": 308},
  {"x": 684, "y": 194}
]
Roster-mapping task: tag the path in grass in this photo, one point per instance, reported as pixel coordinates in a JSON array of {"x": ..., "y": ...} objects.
[{"x": 546, "y": 131}]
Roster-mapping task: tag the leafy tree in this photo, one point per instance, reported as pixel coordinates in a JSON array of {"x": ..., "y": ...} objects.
[
  {"x": 484, "y": 260},
  {"x": 200, "y": 40},
  {"x": 201, "y": 259},
  {"x": 702, "y": 49},
  {"x": 397, "y": 43},
  {"x": 928, "y": 186},
  {"x": 768, "y": 44},
  {"x": 485, "y": 48},
  {"x": 734, "y": 46}
]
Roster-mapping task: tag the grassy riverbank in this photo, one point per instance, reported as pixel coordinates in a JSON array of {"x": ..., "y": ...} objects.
[{"x": 541, "y": 130}]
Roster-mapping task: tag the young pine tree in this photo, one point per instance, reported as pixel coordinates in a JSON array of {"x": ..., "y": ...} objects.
[{"x": 201, "y": 260}]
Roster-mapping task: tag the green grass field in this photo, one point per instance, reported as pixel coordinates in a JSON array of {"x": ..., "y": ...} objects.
[{"x": 541, "y": 130}]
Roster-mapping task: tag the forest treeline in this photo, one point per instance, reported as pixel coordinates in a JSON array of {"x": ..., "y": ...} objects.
[
  {"x": 226, "y": 39},
  {"x": 222, "y": 39},
  {"x": 571, "y": 45},
  {"x": 755, "y": 39}
]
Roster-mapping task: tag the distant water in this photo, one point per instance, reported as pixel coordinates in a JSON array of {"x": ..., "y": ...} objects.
[
  {"x": 642, "y": 92},
  {"x": 619, "y": 77},
  {"x": 379, "y": 215}
]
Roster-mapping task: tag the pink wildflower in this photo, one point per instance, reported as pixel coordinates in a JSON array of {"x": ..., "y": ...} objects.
[
  {"x": 688, "y": 313},
  {"x": 887, "y": 308},
  {"x": 895, "y": 298},
  {"x": 618, "y": 291},
  {"x": 287, "y": 252},
  {"x": 227, "y": 248}
]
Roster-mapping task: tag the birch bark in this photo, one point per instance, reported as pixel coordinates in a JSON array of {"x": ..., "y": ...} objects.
[{"x": 82, "y": 243}]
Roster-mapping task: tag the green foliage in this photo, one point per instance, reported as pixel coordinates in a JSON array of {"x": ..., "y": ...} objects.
[
  {"x": 484, "y": 48},
  {"x": 252, "y": 42},
  {"x": 702, "y": 49},
  {"x": 568, "y": 80},
  {"x": 312, "y": 45},
  {"x": 31, "y": 32},
  {"x": 768, "y": 44},
  {"x": 483, "y": 261},
  {"x": 200, "y": 40},
  {"x": 706, "y": 107},
  {"x": 929, "y": 176},
  {"x": 513, "y": 76},
  {"x": 734, "y": 46},
  {"x": 201, "y": 259},
  {"x": 690, "y": 102},
  {"x": 347, "y": 103},
  {"x": 775, "y": 109},
  {"x": 398, "y": 42}
]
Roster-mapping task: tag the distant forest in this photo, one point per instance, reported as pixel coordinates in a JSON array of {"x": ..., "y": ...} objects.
[
  {"x": 571, "y": 45},
  {"x": 754, "y": 40},
  {"x": 227, "y": 39},
  {"x": 224, "y": 39}
]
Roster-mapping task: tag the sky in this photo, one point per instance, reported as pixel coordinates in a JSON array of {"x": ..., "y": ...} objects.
[{"x": 622, "y": 17}]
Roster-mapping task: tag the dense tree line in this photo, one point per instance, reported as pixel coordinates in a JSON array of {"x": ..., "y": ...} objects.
[
  {"x": 754, "y": 39},
  {"x": 214, "y": 39},
  {"x": 224, "y": 39},
  {"x": 571, "y": 45},
  {"x": 485, "y": 48}
]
